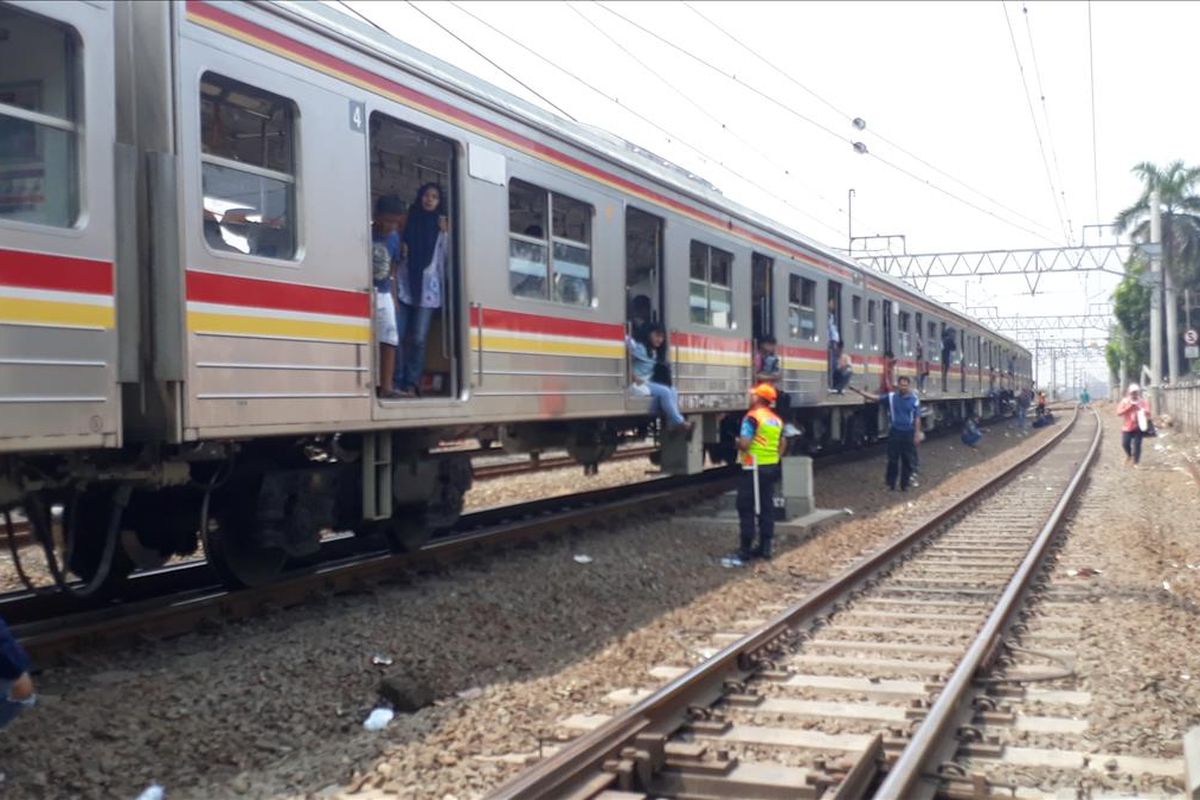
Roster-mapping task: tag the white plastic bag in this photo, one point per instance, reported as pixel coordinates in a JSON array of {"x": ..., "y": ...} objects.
[
  {"x": 639, "y": 390},
  {"x": 1143, "y": 422}
]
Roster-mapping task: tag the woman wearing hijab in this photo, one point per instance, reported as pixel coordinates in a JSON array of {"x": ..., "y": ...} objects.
[{"x": 423, "y": 248}]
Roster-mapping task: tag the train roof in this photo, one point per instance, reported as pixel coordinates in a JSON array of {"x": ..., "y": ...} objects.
[{"x": 334, "y": 22}]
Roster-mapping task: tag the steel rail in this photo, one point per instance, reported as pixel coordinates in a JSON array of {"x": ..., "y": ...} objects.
[
  {"x": 577, "y": 764},
  {"x": 930, "y": 737}
]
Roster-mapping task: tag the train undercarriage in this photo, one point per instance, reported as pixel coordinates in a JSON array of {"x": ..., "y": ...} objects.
[{"x": 258, "y": 509}]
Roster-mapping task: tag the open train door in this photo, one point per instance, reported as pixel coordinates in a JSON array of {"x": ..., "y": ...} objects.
[{"x": 643, "y": 283}]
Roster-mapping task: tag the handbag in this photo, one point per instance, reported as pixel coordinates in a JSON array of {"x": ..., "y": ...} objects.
[{"x": 1145, "y": 424}]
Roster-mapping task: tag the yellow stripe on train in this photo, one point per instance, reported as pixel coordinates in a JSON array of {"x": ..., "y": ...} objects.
[
  {"x": 282, "y": 327},
  {"x": 515, "y": 344},
  {"x": 53, "y": 312}
]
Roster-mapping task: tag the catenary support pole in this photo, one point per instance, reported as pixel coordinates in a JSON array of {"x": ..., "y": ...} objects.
[
  {"x": 1156, "y": 326},
  {"x": 1172, "y": 315}
]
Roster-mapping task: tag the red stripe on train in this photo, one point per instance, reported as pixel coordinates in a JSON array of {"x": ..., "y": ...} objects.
[
  {"x": 521, "y": 322},
  {"x": 234, "y": 290},
  {"x": 704, "y": 342},
  {"x": 57, "y": 273}
]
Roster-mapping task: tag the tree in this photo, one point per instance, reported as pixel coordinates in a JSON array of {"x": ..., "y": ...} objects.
[{"x": 1180, "y": 202}]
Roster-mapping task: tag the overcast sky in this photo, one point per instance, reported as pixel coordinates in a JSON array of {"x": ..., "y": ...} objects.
[{"x": 939, "y": 80}]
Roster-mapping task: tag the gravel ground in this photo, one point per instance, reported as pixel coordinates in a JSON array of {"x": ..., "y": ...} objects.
[
  {"x": 1137, "y": 649},
  {"x": 555, "y": 482},
  {"x": 508, "y": 645}
]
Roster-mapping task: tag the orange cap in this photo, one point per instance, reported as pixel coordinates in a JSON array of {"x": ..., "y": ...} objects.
[{"x": 766, "y": 391}]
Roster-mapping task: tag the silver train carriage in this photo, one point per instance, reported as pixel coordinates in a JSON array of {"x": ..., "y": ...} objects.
[{"x": 186, "y": 340}]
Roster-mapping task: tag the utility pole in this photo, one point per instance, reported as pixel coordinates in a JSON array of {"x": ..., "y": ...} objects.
[
  {"x": 1172, "y": 320},
  {"x": 1156, "y": 322}
]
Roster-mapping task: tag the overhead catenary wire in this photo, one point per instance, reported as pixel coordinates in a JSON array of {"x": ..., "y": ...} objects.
[
  {"x": 1037, "y": 132},
  {"x": 470, "y": 47},
  {"x": 1092, "y": 81},
  {"x": 767, "y": 158},
  {"x": 672, "y": 137},
  {"x": 841, "y": 112},
  {"x": 799, "y": 115},
  {"x": 1037, "y": 73}
]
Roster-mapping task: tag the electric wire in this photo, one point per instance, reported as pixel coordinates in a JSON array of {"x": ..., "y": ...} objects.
[
  {"x": 671, "y": 137},
  {"x": 792, "y": 111},
  {"x": 1092, "y": 81},
  {"x": 1037, "y": 132},
  {"x": 693, "y": 103},
  {"x": 470, "y": 47},
  {"x": 873, "y": 131},
  {"x": 1037, "y": 73}
]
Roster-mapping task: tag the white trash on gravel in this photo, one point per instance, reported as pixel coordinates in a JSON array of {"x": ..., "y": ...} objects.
[
  {"x": 378, "y": 719},
  {"x": 382, "y": 661},
  {"x": 153, "y": 792},
  {"x": 582, "y": 559}
]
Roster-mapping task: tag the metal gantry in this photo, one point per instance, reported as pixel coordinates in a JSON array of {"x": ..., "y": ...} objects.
[
  {"x": 920, "y": 268},
  {"x": 1017, "y": 323}
]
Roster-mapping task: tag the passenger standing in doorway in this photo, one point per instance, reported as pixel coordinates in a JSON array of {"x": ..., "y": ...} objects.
[
  {"x": 922, "y": 366},
  {"x": 760, "y": 445},
  {"x": 835, "y": 342},
  {"x": 423, "y": 250},
  {"x": 904, "y": 409},
  {"x": 949, "y": 345},
  {"x": 1085, "y": 399},
  {"x": 1129, "y": 409},
  {"x": 385, "y": 255}
]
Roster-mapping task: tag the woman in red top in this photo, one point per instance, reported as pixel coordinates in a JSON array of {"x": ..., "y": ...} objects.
[{"x": 1131, "y": 432}]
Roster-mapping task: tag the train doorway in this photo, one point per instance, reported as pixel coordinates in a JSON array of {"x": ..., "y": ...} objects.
[
  {"x": 887, "y": 327},
  {"x": 762, "y": 289},
  {"x": 425, "y": 348},
  {"x": 643, "y": 270}
]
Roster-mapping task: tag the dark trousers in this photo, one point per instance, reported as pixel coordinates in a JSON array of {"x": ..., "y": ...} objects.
[
  {"x": 1131, "y": 443},
  {"x": 901, "y": 457},
  {"x": 768, "y": 477}
]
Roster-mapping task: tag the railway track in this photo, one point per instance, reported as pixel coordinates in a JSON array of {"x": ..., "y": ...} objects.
[
  {"x": 936, "y": 667},
  {"x": 175, "y": 599}
]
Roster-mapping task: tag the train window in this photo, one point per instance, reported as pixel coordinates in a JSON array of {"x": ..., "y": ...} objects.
[
  {"x": 856, "y": 319},
  {"x": 802, "y": 308},
  {"x": 710, "y": 288},
  {"x": 933, "y": 344},
  {"x": 247, "y": 154},
  {"x": 567, "y": 276},
  {"x": 872, "y": 321},
  {"x": 905, "y": 338},
  {"x": 39, "y": 80}
]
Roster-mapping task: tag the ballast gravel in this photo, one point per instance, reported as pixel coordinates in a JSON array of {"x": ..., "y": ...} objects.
[{"x": 509, "y": 644}]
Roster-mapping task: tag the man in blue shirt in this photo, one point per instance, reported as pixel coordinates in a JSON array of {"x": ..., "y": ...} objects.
[{"x": 904, "y": 410}]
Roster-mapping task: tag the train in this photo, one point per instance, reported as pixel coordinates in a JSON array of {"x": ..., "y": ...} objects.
[{"x": 187, "y": 354}]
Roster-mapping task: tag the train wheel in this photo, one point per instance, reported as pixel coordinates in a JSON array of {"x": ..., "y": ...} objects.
[
  {"x": 231, "y": 549},
  {"x": 408, "y": 530}
]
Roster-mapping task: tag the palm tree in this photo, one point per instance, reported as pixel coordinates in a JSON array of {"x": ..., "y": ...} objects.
[{"x": 1180, "y": 202}]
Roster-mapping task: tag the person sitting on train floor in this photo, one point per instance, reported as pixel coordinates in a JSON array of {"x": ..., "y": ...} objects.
[
  {"x": 904, "y": 411},
  {"x": 385, "y": 255},
  {"x": 971, "y": 433},
  {"x": 663, "y": 399},
  {"x": 843, "y": 371},
  {"x": 16, "y": 687},
  {"x": 761, "y": 445},
  {"x": 640, "y": 311},
  {"x": 423, "y": 250}
]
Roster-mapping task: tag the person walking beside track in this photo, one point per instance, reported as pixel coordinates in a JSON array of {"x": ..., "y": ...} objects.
[
  {"x": 1134, "y": 411},
  {"x": 761, "y": 446},
  {"x": 16, "y": 687},
  {"x": 904, "y": 409}
]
